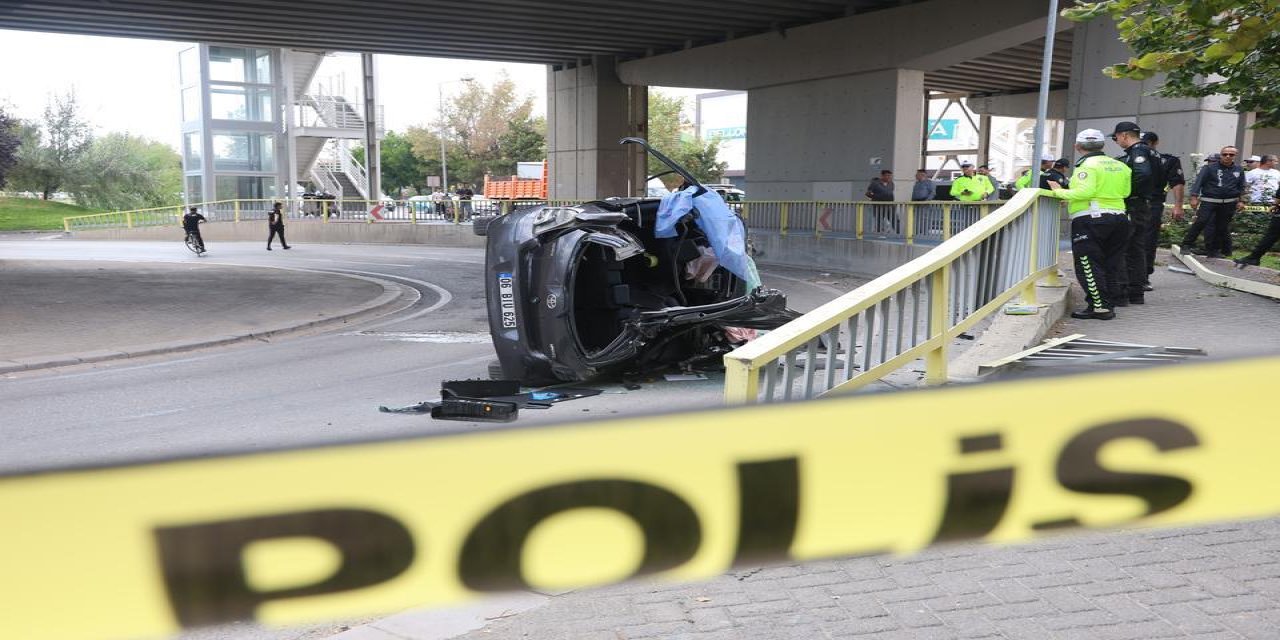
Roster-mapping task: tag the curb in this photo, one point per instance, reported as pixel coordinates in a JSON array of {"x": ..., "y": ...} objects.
[
  {"x": 1011, "y": 334},
  {"x": 390, "y": 294},
  {"x": 1222, "y": 280}
]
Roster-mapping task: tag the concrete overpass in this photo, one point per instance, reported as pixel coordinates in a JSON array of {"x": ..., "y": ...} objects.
[{"x": 836, "y": 88}]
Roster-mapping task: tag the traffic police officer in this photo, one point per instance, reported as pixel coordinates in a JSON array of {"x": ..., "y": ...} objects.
[
  {"x": 1099, "y": 227},
  {"x": 970, "y": 187},
  {"x": 1046, "y": 164},
  {"x": 1144, "y": 163},
  {"x": 1169, "y": 178}
]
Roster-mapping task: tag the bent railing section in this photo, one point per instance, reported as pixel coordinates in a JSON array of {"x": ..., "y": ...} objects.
[{"x": 912, "y": 312}]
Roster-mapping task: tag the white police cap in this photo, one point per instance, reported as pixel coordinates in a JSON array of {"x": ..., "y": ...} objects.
[{"x": 1090, "y": 135}]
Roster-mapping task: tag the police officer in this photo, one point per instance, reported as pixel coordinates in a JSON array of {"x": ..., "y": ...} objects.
[
  {"x": 1168, "y": 179},
  {"x": 1057, "y": 174},
  {"x": 1046, "y": 164},
  {"x": 1099, "y": 227},
  {"x": 1143, "y": 163},
  {"x": 970, "y": 187},
  {"x": 1215, "y": 195}
]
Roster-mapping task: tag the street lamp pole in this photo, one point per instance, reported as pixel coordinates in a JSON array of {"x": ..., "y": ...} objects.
[{"x": 444, "y": 160}]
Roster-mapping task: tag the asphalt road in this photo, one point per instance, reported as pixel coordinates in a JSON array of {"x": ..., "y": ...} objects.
[{"x": 296, "y": 390}]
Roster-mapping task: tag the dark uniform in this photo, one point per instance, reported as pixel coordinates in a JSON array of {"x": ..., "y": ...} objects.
[
  {"x": 1219, "y": 187},
  {"x": 191, "y": 224},
  {"x": 1056, "y": 176},
  {"x": 1169, "y": 177},
  {"x": 1144, "y": 163},
  {"x": 275, "y": 222}
]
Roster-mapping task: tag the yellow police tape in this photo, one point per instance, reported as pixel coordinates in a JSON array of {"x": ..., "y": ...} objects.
[{"x": 358, "y": 529}]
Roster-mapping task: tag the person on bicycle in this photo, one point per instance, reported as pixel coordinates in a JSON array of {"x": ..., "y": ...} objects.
[{"x": 191, "y": 224}]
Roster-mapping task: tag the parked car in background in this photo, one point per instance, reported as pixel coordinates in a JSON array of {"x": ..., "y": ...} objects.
[{"x": 730, "y": 193}]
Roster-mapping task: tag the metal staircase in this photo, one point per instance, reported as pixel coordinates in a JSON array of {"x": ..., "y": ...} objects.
[{"x": 325, "y": 123}]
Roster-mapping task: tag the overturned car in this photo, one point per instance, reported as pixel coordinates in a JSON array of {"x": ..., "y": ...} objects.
[{"x": 622, "y": 285}]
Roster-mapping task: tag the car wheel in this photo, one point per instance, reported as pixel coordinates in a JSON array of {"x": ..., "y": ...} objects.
[{"x": 480, "y": 224}]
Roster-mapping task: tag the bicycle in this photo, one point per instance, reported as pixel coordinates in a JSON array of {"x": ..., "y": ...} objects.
[{"x": 195, "y": 244}]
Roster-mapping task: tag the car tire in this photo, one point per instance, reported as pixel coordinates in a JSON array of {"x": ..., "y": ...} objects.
[{"x": 480, "y": 224}]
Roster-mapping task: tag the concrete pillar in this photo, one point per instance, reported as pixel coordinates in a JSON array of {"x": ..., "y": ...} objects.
[
  {"x": 588, "y": 111},
  {"x": 372, "y": 146},
  {"x": 826, "y": 139},
  {"x": 1095, "y": 101}
]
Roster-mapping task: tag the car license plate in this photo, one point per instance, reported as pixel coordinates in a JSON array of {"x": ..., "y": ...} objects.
[{"x": 507, "y": 300}]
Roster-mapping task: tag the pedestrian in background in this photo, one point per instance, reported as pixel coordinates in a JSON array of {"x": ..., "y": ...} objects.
[
  {"x": 1099, "y": 227},
  {"x": 881, "y": 190},
  {"x": 1143, "y": 162},
  {"x": 924, "y": 188},
  {"x": 1215, "y": 195},
  {"x": 985, "y": 171},
  {"x": 1262, "y": 184},
  {"x": 1252, "y": 163},
  {"x": 464, "y": 201},
  {"x": 1169, "y": 178},
  {"x": 275, "y": 223}
]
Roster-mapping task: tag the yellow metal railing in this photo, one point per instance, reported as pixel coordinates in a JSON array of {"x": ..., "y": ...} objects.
[
  {"x": 909, "y": 222},
  {"x": 912, "y": 312},
  {"x": 415, "y": 210}
]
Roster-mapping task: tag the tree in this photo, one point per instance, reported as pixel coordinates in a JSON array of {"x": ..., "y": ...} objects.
[
  {"x": 121, "y": 171},
  {"x": 523, "y": 141},
  {"x": 1204, "y": 47},
  {"x": 10, "y": 141},
  {"x": 666, "y": 121},
  {"x": 49, "y": 158},
  {"x": 488, "y": 129},
  {"x": 667, "y": 133},
  {"x": 400, "y": 167}
]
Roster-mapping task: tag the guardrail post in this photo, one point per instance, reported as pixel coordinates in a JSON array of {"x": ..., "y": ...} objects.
[
  {"x": 946, "y": 222},
  {"x": 935, "y": 361},
  {"x": 857, "y": 221},
  {"x": 128, "y": 219},
  {"x": 911, "y": 224},
  {"x": 413, "y": 211},
  {"x": 741, "y": 383},
  {"x": 324, "y": 210},
  {"x": 1029, "y": 291},
  {"x": 782, "y": 219},
  {"x": 746, "y": 208},
  {"x": 236, "y": 206},
  {"x": 66, "y": 225}
]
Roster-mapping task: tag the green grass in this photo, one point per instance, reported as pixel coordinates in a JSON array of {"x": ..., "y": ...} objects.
[
  {"x": 30, "y": 214},
  {"x": 1269, "y": 260}
]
